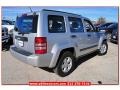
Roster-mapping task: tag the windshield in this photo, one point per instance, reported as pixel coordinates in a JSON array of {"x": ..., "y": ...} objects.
[{"x": 26, "y": 24}]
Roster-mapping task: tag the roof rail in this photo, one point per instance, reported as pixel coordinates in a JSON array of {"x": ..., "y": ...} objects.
[{"x": 60, "y": 11}]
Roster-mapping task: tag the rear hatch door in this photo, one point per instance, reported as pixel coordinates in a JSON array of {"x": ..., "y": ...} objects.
[{"x": 25, "y": 32}]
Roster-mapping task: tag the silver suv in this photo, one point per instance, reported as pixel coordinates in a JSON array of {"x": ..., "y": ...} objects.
[{"x": 54, "y": 39}]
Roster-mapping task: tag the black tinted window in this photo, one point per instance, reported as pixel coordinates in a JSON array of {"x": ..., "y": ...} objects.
[
  {"x": 75, "y": 24},
  {"x": 88, "y": 26},
  {"x": 56, "y": 24},
  {"x": 26, "y": 24}
]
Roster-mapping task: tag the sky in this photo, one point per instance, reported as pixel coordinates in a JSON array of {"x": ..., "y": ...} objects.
[{"x": 93, "y": 13}]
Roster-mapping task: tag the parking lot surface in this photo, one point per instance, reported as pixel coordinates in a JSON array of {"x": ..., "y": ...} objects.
[{"x": 92, "y": 68}]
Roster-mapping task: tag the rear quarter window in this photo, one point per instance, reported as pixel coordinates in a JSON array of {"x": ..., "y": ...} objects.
[{"x": 56, "y": 24}]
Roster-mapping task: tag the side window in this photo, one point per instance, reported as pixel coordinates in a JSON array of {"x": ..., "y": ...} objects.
[
  {"x": 88, "y": 26},
  {"x": 75, "y": 24},
  {"x": 56, "y": 24}
]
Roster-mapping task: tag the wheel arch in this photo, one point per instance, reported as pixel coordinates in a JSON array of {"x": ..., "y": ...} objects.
[{"x": 58, "y": 54}]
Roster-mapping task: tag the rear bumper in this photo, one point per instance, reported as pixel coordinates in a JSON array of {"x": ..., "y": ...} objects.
[{"x": 30, "y": 58}]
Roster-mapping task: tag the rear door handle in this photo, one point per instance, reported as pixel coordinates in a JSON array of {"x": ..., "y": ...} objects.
[{"x": 73, "y": 36}]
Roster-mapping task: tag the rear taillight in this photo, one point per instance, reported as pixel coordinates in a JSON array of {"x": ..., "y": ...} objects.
[{"x": 40, "y": 45}]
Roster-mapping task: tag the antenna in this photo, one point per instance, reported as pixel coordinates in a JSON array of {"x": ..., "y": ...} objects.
[{"x": 30, "y": 9}]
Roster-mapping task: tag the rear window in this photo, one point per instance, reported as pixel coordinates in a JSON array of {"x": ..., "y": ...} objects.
[
  {"x": 56, "y": 24},
  {"x": 26, "y": 24}
]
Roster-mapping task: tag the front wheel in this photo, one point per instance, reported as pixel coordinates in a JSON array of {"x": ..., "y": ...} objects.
[
  {"x": 65, "y": 65},
  {"x": 103, "y": 49}
]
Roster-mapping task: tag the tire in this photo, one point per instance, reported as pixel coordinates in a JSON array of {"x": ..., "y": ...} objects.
[
  {"x": 61, "y": 69},
  {"x": 103, "y": 49}
]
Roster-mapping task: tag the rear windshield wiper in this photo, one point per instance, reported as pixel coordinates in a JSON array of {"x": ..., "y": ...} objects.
[
  {"x": 20, "y": 33},
  {"x": 16, "y": 29},
  {"x": 23, "y": 33}
]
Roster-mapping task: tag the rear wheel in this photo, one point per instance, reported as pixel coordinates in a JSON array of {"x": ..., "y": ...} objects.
[
  {"x": 103, "y": 48},
  {"x": 65, "y": 65}
]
